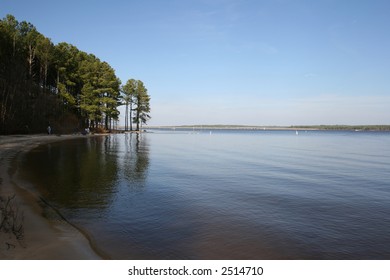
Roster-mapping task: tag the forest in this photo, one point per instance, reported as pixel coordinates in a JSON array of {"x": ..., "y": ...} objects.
[{"x": 44, "y": 84}]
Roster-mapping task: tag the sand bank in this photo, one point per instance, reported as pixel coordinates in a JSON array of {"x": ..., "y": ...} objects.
[{"x": 45, "y": 235}]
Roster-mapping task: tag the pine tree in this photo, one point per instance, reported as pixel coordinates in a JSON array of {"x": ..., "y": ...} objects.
[
  {"x": 142, "y": 101},
  {"x": 129, "y": 91}
]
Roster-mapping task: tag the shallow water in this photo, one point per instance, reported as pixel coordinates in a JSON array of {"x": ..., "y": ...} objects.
[{"x": 223, "y": 195}]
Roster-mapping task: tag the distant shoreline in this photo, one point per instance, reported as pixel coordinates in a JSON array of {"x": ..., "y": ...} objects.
[{"x": 297, "y": 127}]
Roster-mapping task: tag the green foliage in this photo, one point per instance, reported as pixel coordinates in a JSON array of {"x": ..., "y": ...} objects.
[
  {"x": 143, "y": 105},
  {"x": 129, "y": 92},
  {"x": 42, "y": 83},
  {"x": 135, "y": 93}
]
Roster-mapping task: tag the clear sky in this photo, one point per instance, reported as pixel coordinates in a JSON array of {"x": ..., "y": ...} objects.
[{"x": 255, "y": 62}]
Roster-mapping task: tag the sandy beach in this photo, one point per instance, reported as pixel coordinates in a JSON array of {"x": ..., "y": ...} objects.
[{"x": 44, "y": 235}]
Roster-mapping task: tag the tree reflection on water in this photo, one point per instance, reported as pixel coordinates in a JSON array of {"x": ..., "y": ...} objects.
[{"x": 84, "y": 173}]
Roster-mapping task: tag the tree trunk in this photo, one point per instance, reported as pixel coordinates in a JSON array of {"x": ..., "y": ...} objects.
[
  {"x": 138, "y": 119},
  {"x": 30, "y": 59},
  {"x": 106, "y": 122},
  {"x": 131, "y": 119},
  {"x": 127, "y": 117}
]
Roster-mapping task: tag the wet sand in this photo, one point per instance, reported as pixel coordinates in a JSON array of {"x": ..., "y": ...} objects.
[{"x": 46, "y": 236}]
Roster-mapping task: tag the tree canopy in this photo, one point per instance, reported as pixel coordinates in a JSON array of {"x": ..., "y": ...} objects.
[
  {"x": 58, "y": 85},
  {"x": 136, "y": 94}
]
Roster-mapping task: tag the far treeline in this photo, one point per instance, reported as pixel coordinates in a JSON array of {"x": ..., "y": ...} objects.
[
  {"x": 42, "y": 84},
  {"x": 296, "y": 127},
  {"x": 347, "y": 127}
]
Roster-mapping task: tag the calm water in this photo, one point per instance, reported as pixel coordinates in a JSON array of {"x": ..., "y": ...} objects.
[{"x": 224, "y": 195}]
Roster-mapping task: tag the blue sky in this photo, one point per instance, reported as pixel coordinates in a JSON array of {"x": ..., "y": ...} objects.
[{"x": 255, "y": 62}]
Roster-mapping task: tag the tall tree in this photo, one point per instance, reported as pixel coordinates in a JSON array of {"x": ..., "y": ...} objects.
[
  {"x": 68, "y": 78},
  {"x": 142, "y": 101},
  {"x": 45, "y": 50},
  {"x": 110, "y": 85},
  {"x": 31, "y": 37},
  {"x": 129, "y": 92},
  {"x": 100, "y": 92}
]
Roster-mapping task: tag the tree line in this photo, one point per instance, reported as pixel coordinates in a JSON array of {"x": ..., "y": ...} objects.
[
  {"x": 59, "y": 85},
  {"x": 345, "y": 127}
]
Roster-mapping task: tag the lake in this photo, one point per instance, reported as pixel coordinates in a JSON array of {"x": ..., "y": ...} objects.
[{"x": 223, "y": 194}]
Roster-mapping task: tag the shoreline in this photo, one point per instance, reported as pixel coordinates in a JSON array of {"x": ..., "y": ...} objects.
[
  {"x": 46, "y": 234},
  {"x": 279, "y": 128}
]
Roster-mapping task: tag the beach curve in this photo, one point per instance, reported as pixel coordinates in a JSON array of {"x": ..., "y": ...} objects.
[{"x": 46, "y": 234}]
